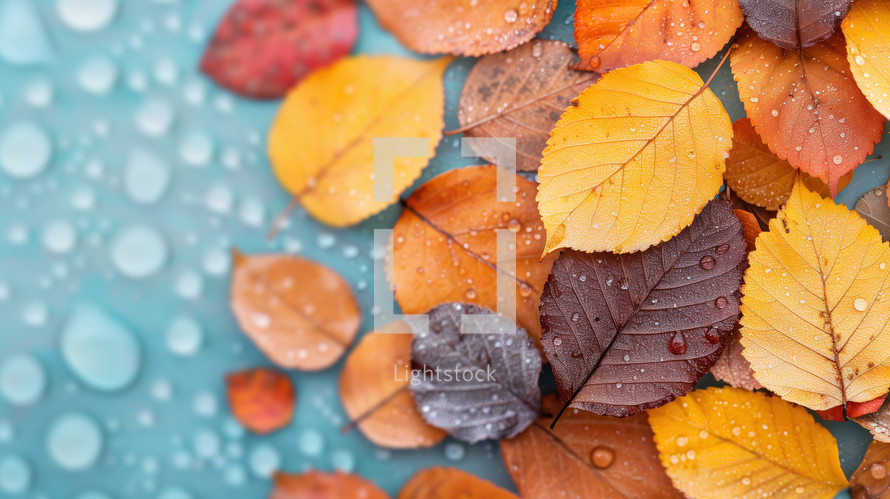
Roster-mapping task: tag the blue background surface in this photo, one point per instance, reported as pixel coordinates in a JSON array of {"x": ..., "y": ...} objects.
[{"x": 149, "y": 444}]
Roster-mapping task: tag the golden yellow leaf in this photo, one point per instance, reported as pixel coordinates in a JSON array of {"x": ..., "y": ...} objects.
[
  {"x": 633, "y": 160},
  {"x": 867, "y": 30},
  {"x": 729, "y": 442},
  {"x": 815, "y": 305},
  {"x": 322, "y": 142},
  {"x": 760, "y": 177}
]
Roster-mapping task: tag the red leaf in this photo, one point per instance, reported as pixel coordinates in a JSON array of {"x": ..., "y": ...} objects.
[
  {"x": 262, "y": 48},
  {"x": 262, "y": 399},
  {"x": 854, "y": 409}
]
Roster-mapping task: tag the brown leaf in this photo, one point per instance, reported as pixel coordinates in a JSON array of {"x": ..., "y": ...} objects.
[
  {"x": 463, "y": 27},
  {"x": 521, "y": 94},
  {"x": 792, "y": 24},
  {"x": 318, "y": 485},
  {"x": 871, "y": 480},
  {"x": 451, "y": 483},
  {"x": 262, "y": 399},
  {"x": 629, "y": 332},
  {"x": 878, "y": 423},
  {"x": 733, "y": 368},
  {"x": 301, "y": 314},
  {"x": 445, "y": 245},
  {"x": 614, "y": 34},
  {"x": 586, "y": 456},
  {"x": 374, "y": 391},
  {"x": 873, "y": 206}
]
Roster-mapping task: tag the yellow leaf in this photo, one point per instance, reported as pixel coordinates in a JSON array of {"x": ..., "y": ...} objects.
[
  {"x": 760, "y": 177},
  {"x": 729, "y": 442},
  {"x": 322, "y": 142},
  {"x": 815, "y": 305},
  {"x": 867, "y": 30},
  {"x": 633, "y": 160}
]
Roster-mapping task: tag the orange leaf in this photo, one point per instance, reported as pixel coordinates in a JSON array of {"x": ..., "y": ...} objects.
[
  {"x": 806, "y": 106},
  {"x": 301, "y": 314},
  {"x": 586, "y": 455},
  {"x": 750, "y": 227},
  {"x": 374, "y": 391},
  {"x": 262, "y": 400},
  {"x": 760, "y": 177},
  {"x": 318, "y": 485},
  {"x": 445, "y": 245},
  {"x": 614, "y": 34},
  {"x": 463, "y": 27},
  {"x": 871, "y": 480},
  {"x": 451, "y": 483}
]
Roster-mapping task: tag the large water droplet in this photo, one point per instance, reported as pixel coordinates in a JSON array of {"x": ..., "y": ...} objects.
[
  {"x": 22, "y": 379},
  {"x": 59, "y": 237},
  {"x": 707, "y": 262},
  {"x": 155, "y": 117},
  {"x": 74, "y": 441},
  {"x": 196, "y": 148},
  {"x": 860, "y": 304},
  {"x": 878, "y": 471},
  {"x": 147, "y": 177},
  {"x": 97, "y": 75},
  {"x": 677, "y": 344},
  {"x": 310, "y": 442},
  {"x": 86, "y": 15},
  {"x": 23, "y": 37},
  {"x": 343, "y": 460},
  {"x": 184, "y": 336},
  {"x": 15, "y": 475},
  {"x": 712, "y": 335},
  {"x": 264, "y": 460},
  {"x": 138, "y": 251},
  {"x": 101, "y": 351},
  {"x": 25, "y": 150},
  {"x": 602, "y": 457}
]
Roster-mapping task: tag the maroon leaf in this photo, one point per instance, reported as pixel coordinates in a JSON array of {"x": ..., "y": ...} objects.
[
  {"x": 262, "y": 48},
  {"x": 626, "y": 333},
  {"x": 792, "y": 24},
  {"x": 482, "y": 381}
]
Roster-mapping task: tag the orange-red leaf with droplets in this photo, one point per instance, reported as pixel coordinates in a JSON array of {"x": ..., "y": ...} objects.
[
  {"x": 806, "y": 106},
  {"x": 451, "y": 483},
  {"x": 262, "y": 399},
  {"x": 318, "y": 485},
  {"x": 614, "y": 34},
  {"x": 301, "y": 314}
]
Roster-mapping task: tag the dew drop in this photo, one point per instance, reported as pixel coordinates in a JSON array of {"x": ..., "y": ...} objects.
[
  {"x": 264, "y": 460},
  {"x": 146, "y": 177},
  {"x": 878, "y": 471},
  {"x": 138, "y": 251},
  {"x": 602, "y": 457},
  {"x": 22, "y": 379},
  {"x": 101, "y": 351},
  {"x": 712, "y": 335},
  {"x": 454, "y": 451},
  {"x": 707, "y": 262},
  {"x": 860, "y": 304},
  {"x": 59, "y": 237},
  {"x": 343, "y": 460},
  {"x": 695, "y": 47},
  {"x": 721, "y": 302},
  {"x": 74, "y": 441},
  {"x": 184, "y": 336},
  {"x": 310, "y": 442},
  {"x": 859, "y": 60},
  {"x": 594, "y": 62},
  {"x": 838, "y": 159},
  {"x": 25, "y": 150},
  {"x": 196, "y": 148},
  {"x": 15, "y": 475},
  {"x": 511, "y": 16},
  {"x": 86, "y": 15},
  {"x": 722, "y": 249},
  {"x": 677, "y": 345},
  {"x": 155, "y": 117},
  {"x": 23, "y": 36},
  {"x": 97, "y": 75}
]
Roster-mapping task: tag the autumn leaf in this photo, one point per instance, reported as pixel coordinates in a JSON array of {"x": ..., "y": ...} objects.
[
  {"x": 870, "y": 480},
  {"x": 805, "y": 105},
  {"x": 374, "y": 391},
  {"x": 449, "y": 483},
  {"x": 520, "y": 94},
  {"x": 750, "y": 228},
  {"x": 877, "y": 422},
  {"x": 295, "y": 325},
  {"x": 625, "y": 333},
  {"x": 492, "y": 390},
  {"x": 632, "y": 161},
  {"x": 867, "y": 31},
  {"x": 463, "y": 27},
  {"x": 614, "y": 35},
  {"x": 445, "y": 245},
  {"x": 872, "y": 206},
  {"x": 814, "y": 315},
  {"x": 262, "y": 399},
  {"x": 729, "y": 442},
  {"x": 761, "y": 215},
  {"x": 760, "y": 177},
  {"x": 261, "y": 49},
  {"x": 318, "y": 485},
  {"x": 795, "y": 24},
  {"x": 321, "y": 144},
  {"x": 586, "y": 456}
]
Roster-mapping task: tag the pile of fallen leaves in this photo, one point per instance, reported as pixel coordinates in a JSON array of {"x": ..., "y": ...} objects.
[{"x": 636, "y": 272}]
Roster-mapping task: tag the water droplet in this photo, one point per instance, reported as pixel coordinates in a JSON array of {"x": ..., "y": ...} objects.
[
  {"x": 677, "y": 344},
  {"x": 878, "y": 471},
  {"x": 859, "y": 60},
  {"x": 838, "y": 159},
  {"x": 594, "y": 62},
  {"x": 40, "y": 93},
  {"x": 86, "y": 15},
  {"x": 184, "y": 336},
  {"x": 695, "y": 47},
  {"x": 155, "y": 117},
  {"x": 557, "y": 342},
  {"x": 722, "y": 249},
  {"x": 774, "y": 112},
  {"x": 196, "y": 148},
  {"x": 59, "y": 237},
  {"x": 189, "y": 285},
  {"x": 470, "y": 294},
  {"x": 217, "y": 262},
  {"x": 146, "y": 177},
  {"x": 514, "y": 225},
  {"x": 23, "y": 36},
  {"x": 205, "y": 404},
  {"x": 74, "y": 441},
  {"x": 511, "y": 16},
  {"x": 101, "y": 351},
  {"x": 860, "y": 304},
  {"x": 97, "y": 75},
  {"x": 721, "y": 302},
  {"x": 25, "y": 150},
  {"x": 22, "y": 379},
  {"x": 707, "y": 262},
  {"x": 310, "y": 442},
  {"x": 206, "y": 443},
  {"x": 454, "y": 451},
  {"x": 264, "y": 460},
  {"x": 537, "y": 49},
  {"x": 712, "y": 335},
  {"x": 15, "y": 475},
  {"x": 252, "y": 212},
  {"x": 602, "y": 457},
  {"x": 343, "y": 460},
  {"x": 138, "y": 251}
]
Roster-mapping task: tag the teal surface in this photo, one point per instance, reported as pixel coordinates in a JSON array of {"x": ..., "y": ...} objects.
[{"x": 168, "y": 432}]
